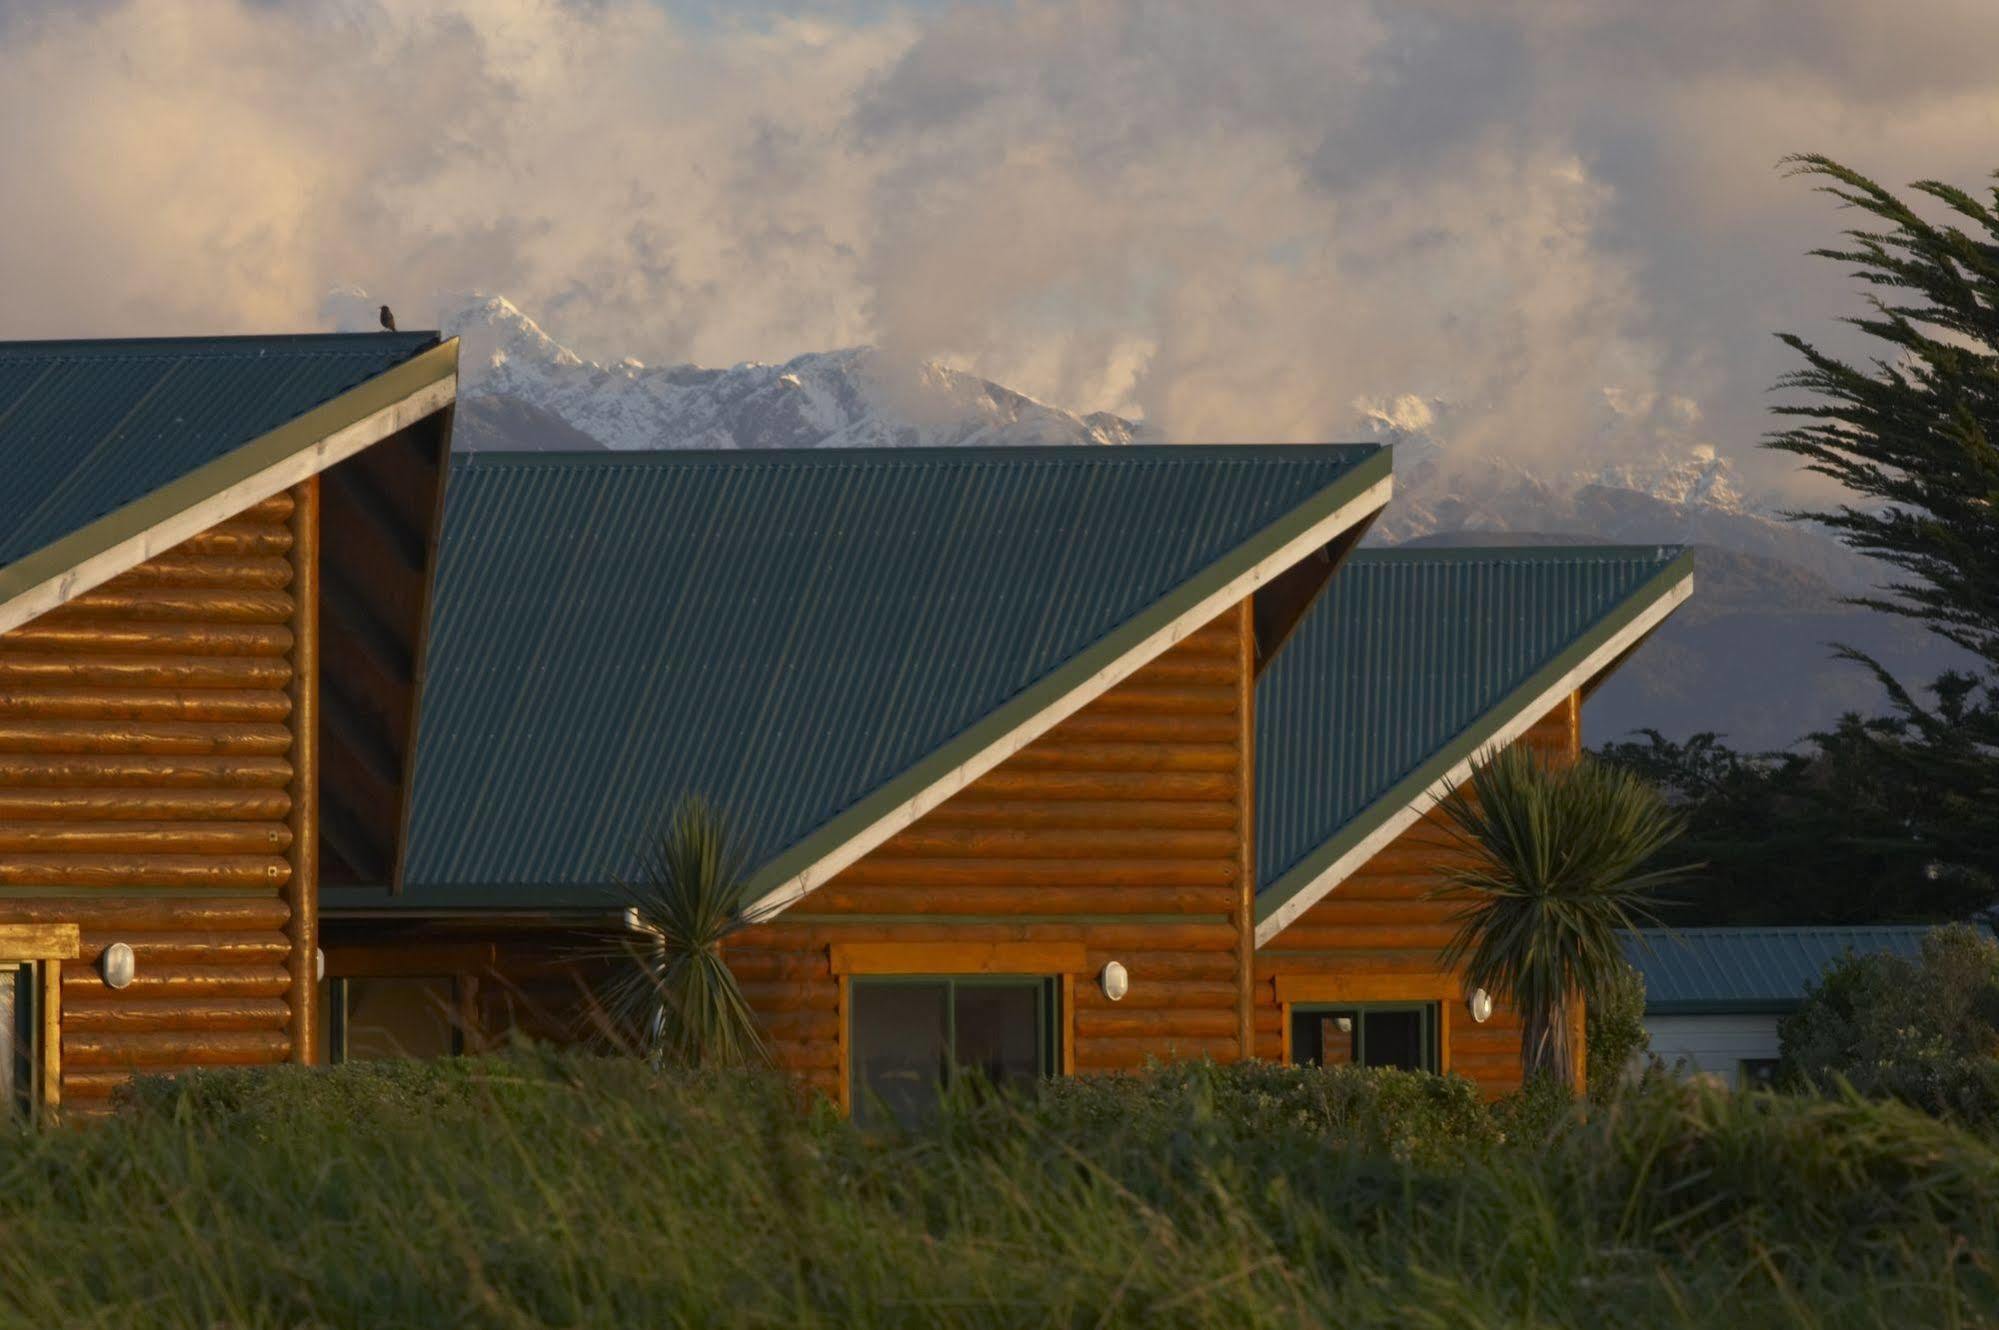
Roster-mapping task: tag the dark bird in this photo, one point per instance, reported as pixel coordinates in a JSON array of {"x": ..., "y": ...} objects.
[{"x": 388, "y": 319}]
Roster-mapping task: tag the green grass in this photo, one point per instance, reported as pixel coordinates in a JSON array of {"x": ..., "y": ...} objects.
[{"x": 531, "y": 1191}]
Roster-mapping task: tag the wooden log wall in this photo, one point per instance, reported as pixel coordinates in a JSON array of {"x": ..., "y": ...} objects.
[
  {"x": 146, "y": 791},
  {"x": 1123, "y": 829},
  {"x": 1380, "y": 923}
]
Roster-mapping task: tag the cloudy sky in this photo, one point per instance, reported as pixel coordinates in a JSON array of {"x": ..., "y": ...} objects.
[{"x": 1553, "y": 228}]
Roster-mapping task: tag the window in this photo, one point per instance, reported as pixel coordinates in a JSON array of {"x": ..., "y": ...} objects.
[
  {"x": 1756, "y": 1073},
  {"x": 1402, "y": 1034},
  {"x": 18, "y": 1045},
  {"x": 392, "y": 1017},
  {"x": 908, "y": 1036}
]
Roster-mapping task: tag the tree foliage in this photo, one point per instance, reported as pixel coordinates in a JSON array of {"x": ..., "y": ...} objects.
[
  {"x": 692, "y": 896},
  {"x": 1554, "y": 868}
]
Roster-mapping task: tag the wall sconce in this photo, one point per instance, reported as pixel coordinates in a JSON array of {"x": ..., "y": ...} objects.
[
  {"x": 318, "y": 963},
  {"x": 1480, "y": 1003},
  {"x": 1116, "y": 981},
  {"x": 117, "y": 965}
]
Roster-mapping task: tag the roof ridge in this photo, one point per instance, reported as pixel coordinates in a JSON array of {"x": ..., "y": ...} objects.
[
  {"x": 1447, "y": 554},
  {"x": 193, "y": 345},
  {"x": 1299, "y": 454}
]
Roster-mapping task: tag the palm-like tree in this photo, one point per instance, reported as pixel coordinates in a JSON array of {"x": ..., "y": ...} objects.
[
  {"x": 692, "y": 894},
  {"x": 1554, "y": 866}
]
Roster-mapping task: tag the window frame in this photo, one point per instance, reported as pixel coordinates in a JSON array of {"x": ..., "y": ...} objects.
[
  {"x": 40, "y": 949},
  {"x": 1432, "y": 1027},
  {"x": 335, "y": 1011},
  {"x": 1050, "y": 1023}
]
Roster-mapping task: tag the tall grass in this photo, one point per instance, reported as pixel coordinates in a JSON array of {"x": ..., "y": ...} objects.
[{"x": 532, "y": 1191}]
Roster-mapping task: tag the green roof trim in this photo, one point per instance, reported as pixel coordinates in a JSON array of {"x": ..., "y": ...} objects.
[
  {"x": 1751, "y": 971},
  {"x": 1522, "y": 619},
  {"x": 822, "y": 641},
  {"x": 192, "y": 423}
]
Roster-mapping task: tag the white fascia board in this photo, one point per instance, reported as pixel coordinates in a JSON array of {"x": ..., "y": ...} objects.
[
  {"x": 1513, "y": 727},
  {"x": 1317, "y": 536}
]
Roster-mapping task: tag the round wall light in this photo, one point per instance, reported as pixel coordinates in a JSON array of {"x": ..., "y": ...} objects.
[
  {"x": 1116, "y": 981},
  {"x": 118, "y": 965},
  {"x": 1480, "y": 1003},
  {"x": 318, "y": 963}
]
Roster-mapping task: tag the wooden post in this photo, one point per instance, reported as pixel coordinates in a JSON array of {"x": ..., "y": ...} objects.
[
  {"x": 51, "y": 1013},
  {"x": 1246, "y": 835},
  {"x": 302, "y": 890}
]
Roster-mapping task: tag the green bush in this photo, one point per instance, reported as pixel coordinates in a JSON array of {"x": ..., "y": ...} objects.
[
  {"x": 1614, "y": 1025},
  {"x": 1924, "y": 1031},
  {"x": 536, "y": 1190}
]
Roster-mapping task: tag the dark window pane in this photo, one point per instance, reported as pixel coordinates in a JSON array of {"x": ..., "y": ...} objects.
[
  {"x": 1323, "y": 1038},
  {"x": 1394, "y": 1039},
  {"x": 400, "y": 1018},
  {"x": 998, "y": 1035},
  {"x": 901, "y": 1042},
  {"x": 16, "y": 1069}
]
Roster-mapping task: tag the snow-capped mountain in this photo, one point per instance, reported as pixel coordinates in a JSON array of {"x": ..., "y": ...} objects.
[{"x": 856, "y": 397}]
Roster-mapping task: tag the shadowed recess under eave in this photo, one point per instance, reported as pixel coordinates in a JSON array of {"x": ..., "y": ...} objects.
[{"x": 782, "y": 632}]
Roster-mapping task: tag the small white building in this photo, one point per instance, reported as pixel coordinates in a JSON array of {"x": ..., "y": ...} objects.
[{"x": 1714, "y": 996}]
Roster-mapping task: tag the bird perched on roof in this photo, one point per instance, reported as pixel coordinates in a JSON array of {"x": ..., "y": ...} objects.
[{"x": 388, "y": 319}]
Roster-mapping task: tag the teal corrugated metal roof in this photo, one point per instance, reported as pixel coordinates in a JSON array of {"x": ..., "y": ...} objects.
[
  {"x": 789, "y": 633},
  {"x": 1408, "y": 661},
  {"x": 88, "y": 427},
  {"x": 1694, "y": 971}
]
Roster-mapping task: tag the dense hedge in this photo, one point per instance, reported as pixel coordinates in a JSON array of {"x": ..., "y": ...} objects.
[{"x": 532, "y": 1190}]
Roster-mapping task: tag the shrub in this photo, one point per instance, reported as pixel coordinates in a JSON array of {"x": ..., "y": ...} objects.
[
  {"x": 1924, "y": 1031},
  {"x": 1614, "y": 1021}
]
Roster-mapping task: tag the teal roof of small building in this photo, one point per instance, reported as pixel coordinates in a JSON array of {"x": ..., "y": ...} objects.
[
  {"x": 88, "y": 427},
  {"x": 1724, "y": 971},
  {"x": 1410, "y": 662},
  {"x": 804, "y": 638}
]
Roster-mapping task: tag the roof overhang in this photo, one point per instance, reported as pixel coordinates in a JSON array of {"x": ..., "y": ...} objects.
[
  {"x": 1320, "y": 521},
  {"x": 1590, "y": 656},
  {"x": 275, "y": 461}
]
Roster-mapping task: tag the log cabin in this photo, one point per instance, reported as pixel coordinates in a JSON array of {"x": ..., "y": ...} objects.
[
  {"x": 215, "y": 557},
  {"x": 1048, "y": 761}
]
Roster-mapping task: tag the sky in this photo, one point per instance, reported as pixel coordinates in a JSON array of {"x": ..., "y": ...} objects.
[{"x": 1557, "y": 232}]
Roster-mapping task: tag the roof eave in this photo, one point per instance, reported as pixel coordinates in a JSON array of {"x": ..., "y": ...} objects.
[
  {"x": 1591, "y": 654},
  {"x": 1356, "y": 496},
  {"x": 300, "y": 448}
]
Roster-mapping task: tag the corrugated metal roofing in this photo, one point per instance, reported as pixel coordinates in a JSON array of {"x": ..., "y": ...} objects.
[
  {"x": 1408, "y": 657},
  {"x": 87, "y": 427},
  {"x": 1710, "y": 971},
  {"x": 783, "y": 632}
]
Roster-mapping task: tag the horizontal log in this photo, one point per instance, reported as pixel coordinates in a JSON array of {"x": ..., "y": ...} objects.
[
  {"x": 85, "y": 805},
  {"x": 204, "y": 704},
  {"x": 231, "y": 540},
  {"x": 1002, "y": 896},
  {"x": 91, "y": 838},
  {"x": 1163, "y": 1024},
  {"x": 190, "y": 947},
  {"x": 1164, "y": 786},
  {"x": 114, "y": 1012},
  {"x": 150, "y": 912},
  {"x": 1149, "y": 697},
  {"x": 1094, "y": 726},
  {"x": 1052, "y": 754},
  {"x": 156, "y": 1051},
  {"x": 110, "y": 609},
  {"x": 1197, "y": 668},
  {"x": 1124, "y": 1054},
  {"x": 1414, "y": 935},
  {"x": 1114, "y": 940},
  {"x": 1148, "y": 966},
  {"x": 1337, "y": 912},
  {"x": 790, "y": 966},
  {"x": 1276, "y": 958},
  {"x": 800, "y": 1026},
  {"x": 277, "y": 508},
  {"x": 142, "y": 870},
  {"x": 154, "y": 639},
  {"x": 1223, "y": 637},
  {"x": 183, "y": 568},
  {"x": 930, "y": 840},
  {"x": 182, "y": 981},
  {"x": 38, "y": 670},
  {"x": 87, "y": 1091},
  {"x": 973, "y": 809},
  {"x": 1152, "y": 991},
  {"x": 138, "y": 770},
  {"x": 936, "y": 873},
  {"x": 157, "y": 738},
  {"x": 791, "y": 995},
  {"x": 818, "y": 1055}
]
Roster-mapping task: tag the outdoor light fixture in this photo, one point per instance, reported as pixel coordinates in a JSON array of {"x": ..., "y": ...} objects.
[
  {"x": 118, "y": 965},
  {"x": 1115, "y": 980},
  {"x": 1480, "y": 1003},
  {"x": 1344, "y": 1024},
  {"x": 318, "y": 963}
]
